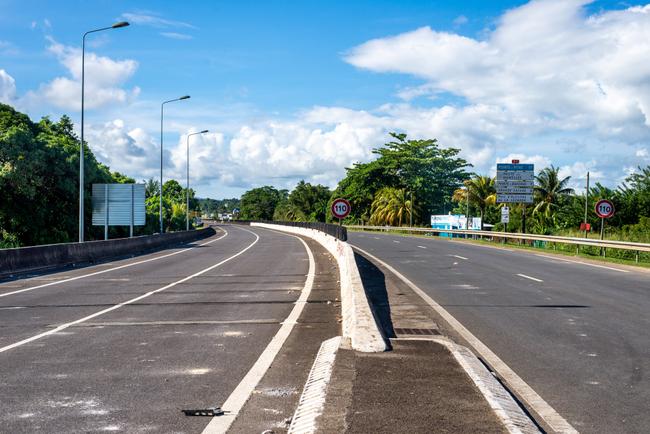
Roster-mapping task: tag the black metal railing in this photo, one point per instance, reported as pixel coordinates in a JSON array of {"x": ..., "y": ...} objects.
[{"x": 339, "y": 232}]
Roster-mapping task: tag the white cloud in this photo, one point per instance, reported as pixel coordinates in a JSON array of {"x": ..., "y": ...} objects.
[
  {"x": 7, "y": 48},
  {"x": 131, "y": 151},
  {"x": 545, "y": 60},
  {"x": 153, "y": 20},
  {"x": 460, "y": 20},
  {"x": 105, "y": 80},
  {"x": 7, "y": 87},
  {"x": 174, "y": 35}
]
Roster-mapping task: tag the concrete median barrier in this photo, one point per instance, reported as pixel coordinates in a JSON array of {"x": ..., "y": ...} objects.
[
  {"x": 38, "y": 258},
  {"x": 359, "y": 324}
]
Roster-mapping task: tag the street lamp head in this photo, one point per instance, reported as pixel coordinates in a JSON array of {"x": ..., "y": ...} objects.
[
  {"x": 185, "y": 97},
  {"x": 204, "y": 131},
  {"x": 120, "y": 24}
]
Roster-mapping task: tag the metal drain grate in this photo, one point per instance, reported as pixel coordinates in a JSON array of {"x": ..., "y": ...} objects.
[{"x": 417, "y": 332}]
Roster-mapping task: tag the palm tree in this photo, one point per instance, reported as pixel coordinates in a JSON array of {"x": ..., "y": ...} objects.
[
  {"x": 391, "y": 206},
  {"x": 482, "y": 193},
  {"x": 550, "y": 190}
]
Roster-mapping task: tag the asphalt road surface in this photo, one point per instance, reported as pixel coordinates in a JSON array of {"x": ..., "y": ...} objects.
[
  {"x": 128, "y": 347},
  {"x": 578, "y": 334}
]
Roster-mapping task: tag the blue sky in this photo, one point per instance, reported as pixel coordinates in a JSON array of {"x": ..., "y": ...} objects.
[{"x": 301, "y": 89}]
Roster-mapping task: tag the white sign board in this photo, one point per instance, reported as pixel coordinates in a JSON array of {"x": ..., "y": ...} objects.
[
  {"x": 118, "y": 205},
  {"x": 515, "y": 183},
  {"x": 514, "y": 198},
  {"x": 505, "y": 215}
]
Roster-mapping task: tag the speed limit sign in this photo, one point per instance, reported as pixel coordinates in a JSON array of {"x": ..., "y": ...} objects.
[
  {"x": 341, "y": 208},
  {"x": 604, "y": 209}
]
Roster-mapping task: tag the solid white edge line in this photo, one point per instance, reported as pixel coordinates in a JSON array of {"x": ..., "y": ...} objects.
[
  {"x": 523, "y": 391},
  {"x": 233, "y": 405},
  {"x": 498, "y": 398},
  {"x": 529, "y": 277},
  {"x": 119, "y": 305},
  {"x": 314, "y": 393},
  {"x": 110, "y": 269},
  {"x": 571, "y": 261}
]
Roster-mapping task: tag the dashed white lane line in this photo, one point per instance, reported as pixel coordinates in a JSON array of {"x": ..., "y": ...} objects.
[
  {"x": 523, "y": 391},
  {"x": 83, "y": 276},
  {"x": 395, "y": 241},
  {"x": 131, "y": 301},
  {"x": 233, "y": 405},
  {"x": 459, "y": 257},
  {"x": 582, "y": 263},
  {"x": 529, "y": 277},
  {"x": 422, "y": 247}
]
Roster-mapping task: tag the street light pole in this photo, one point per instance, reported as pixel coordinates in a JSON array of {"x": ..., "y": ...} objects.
[
  {"x": 162, "y": 106},
  {"x": 187, "y": 188},
  {"x": 81, "y": 147}
]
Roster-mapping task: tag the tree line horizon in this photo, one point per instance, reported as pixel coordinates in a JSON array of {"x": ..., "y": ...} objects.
[{"x": 409, "y": 180}]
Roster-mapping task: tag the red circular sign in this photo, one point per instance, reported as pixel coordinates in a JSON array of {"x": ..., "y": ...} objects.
[
  {"x": 341, "y": 208},
  {"x": 604, "y": 208}
]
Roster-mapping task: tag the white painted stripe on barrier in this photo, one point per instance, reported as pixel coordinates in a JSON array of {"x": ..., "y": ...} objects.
[
  {"x": 233, "y": 405},
  {"x": 314, "y": 393},
  {"x": 83, "y": 276},
  {"x": 523, "y": 391},
  {"x": 358, "y": 322}
]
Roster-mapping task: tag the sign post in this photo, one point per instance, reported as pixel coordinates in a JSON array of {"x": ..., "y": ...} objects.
[
  {"x": 340, "y": 209},
  {"x": 505, "y": 217},
  {"x": 604, "y": 209},
  {"x": 515, "y": 184}
]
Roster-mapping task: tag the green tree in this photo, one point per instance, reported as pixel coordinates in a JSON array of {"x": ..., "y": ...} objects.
[
  {"x": 419, "y": 167},
  {"x": 550, "y": 191},
  {"x": 308, "y": 202},
  {"x": 392, "y": 206},
  {"x": 259, "y": 203},
  {"x": 482, "y": 194}
]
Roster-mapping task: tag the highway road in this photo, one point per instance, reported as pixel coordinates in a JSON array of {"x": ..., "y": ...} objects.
[
  {"x": 578, "y": 334},
  {"x": 125, "y": 346}
]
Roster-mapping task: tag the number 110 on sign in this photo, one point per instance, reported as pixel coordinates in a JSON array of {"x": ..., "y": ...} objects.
[{"x": 340, "y": 208}]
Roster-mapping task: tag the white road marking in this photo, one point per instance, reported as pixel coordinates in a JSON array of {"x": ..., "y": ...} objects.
[
  {"x": 131, "y": 301},
  {"x": 110, "y": 269},
  {"x": 582, "y": 263},
  {"x": 377, "y": 238},
  {"x": 312, "y": 399},
  {"x": 395, "y": 241},
  {"x": 233, "y": 405},
  {"x": 523, "y": 391},
  {"x": 528, "y": 277},
  {"x": 459, "y": 257},
  {"x": 422, "y": 247}
]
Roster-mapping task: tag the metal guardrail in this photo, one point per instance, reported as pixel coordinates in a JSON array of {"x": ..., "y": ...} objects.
[{"x": 608, "y": 244}]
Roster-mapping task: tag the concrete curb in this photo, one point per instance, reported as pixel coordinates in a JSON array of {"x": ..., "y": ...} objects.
[
  {"x": 359, "y": 323},
  {"x": 39, "y": 258}
]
